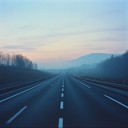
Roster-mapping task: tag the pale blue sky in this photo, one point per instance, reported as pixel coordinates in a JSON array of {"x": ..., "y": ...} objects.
[{"x": 54, "y": 31}]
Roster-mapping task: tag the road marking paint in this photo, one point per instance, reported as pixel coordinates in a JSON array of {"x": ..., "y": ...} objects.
[
  {"x": 61, "y": 105},
  {"x": 17, "y": 114},
  {"x": 62, "y": 89},
  {"x": 83, "y": 83},
  {"x": 63, "y": 82},
  {"x": 62, "y": 94},
  {"x": 19, "y": 93},
  {"x": 60, "y": 123},
  {"x": 116, "y": 101},
  {"x": 62, "y": 86}
]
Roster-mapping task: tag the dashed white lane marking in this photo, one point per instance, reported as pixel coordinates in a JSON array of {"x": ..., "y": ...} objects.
[
  {"x": 60, "y": 123},
  {"x": 61, "y": 105},
  {"x": 19, "y": 93},
  {"x": 62, "y": 94},
  {"x": 17, "y": 114},
  {"x": 116, "y": 101}
]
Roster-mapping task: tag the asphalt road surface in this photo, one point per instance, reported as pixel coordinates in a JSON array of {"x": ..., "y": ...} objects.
[{"x": 63, "y": 102}]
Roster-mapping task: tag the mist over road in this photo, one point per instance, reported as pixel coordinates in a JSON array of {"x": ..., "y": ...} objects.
[{"x": 63, "y": 101}]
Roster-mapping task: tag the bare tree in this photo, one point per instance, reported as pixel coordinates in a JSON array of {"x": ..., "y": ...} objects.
[{"x": 16, "y": 61}]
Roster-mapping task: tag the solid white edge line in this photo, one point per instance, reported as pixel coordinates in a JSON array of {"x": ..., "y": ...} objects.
[
  {"x": 61, "y": 105},
  {"x": 19, "y": 93},
  {"x": 83, "y": 83},
  {"x": 17, "y": 114},
  {"x": 60, "y": 123},
  {"x": 116, "y": 101}
]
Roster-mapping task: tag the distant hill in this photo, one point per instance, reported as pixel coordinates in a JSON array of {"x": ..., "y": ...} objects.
[
  {"x": 113, "y": 69},
  {"x": 90, "y": 59}
]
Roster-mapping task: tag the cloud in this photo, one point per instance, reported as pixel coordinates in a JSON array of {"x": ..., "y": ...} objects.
[
  {"x": 121, "y": 29},
  {"x": 18, "y": 47}
]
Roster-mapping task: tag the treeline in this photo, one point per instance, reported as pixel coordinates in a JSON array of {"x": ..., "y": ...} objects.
[
  {"x": 114, "y": 69},
  {"x": 18, "y": 61},
  {"x": 17, "y": 68}
]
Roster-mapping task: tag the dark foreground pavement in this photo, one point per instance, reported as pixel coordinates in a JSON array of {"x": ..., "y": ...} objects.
[{"x": 63, "y": 101}]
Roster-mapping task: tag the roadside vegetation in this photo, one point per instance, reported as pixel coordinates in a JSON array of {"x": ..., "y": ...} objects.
[
  {"x": 114, "y": 69},
  {"x": 16, "y": 68}
]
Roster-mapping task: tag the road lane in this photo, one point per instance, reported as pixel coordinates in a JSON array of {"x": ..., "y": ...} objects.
[
  {"x": 67, "y": 103},
  {"x": 40, "y": 102},
  {"x": 122, "y": 97},
  {"x": 86, "y": 108}
]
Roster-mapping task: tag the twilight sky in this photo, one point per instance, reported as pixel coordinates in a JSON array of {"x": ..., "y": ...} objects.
[{"x": 50, "y": 32}]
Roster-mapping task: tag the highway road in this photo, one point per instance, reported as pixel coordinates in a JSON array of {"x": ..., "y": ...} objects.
[{"x": 63, "y": 102}]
